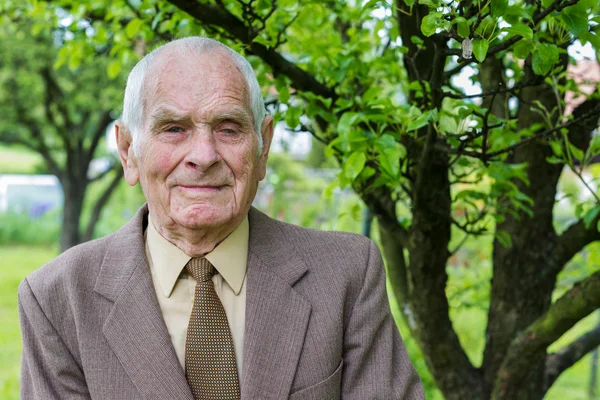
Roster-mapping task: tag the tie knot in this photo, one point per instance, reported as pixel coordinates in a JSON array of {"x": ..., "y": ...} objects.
[{"x": 201, "y": 269}]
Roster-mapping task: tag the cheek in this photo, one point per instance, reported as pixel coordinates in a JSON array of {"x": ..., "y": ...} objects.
[
  {"x": 161, "y": 163},
  {"x": 243, "y": 167}
]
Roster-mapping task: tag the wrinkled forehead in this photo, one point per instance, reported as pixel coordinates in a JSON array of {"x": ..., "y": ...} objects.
[{"x": 177, "y": 71}]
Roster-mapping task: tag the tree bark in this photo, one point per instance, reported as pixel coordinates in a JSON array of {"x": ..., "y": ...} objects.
[
  {"x": 74, "y": 192},
  {"x": 102, "y": 201},
  {"x": 523, "y": 280}
]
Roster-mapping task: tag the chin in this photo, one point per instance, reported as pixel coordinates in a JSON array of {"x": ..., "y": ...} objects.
[{"x": 201, "y": 216}]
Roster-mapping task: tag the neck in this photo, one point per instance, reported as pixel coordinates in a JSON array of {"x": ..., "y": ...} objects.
[{"x": 195, "y": 242}]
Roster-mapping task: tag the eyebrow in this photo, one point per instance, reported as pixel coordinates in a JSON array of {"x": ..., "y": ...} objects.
[
  {"x": 163, "y": 115},
  {"x": 235, "y": 115}
]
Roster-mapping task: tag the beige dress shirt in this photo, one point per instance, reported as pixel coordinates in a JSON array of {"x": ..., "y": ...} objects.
[{"x": 175, "y": 287}]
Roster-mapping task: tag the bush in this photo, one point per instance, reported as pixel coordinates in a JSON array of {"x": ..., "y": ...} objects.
[{"x": 25, "y": 229}]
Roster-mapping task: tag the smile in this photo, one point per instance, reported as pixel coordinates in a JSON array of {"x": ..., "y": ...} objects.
[{"x": 199, "y": 189}]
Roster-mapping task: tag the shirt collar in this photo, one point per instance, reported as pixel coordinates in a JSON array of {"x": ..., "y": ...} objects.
[{"x": 229, "y": 257}]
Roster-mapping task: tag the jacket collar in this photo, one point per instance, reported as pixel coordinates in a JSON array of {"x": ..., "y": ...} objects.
[{"x": 276, "y": 314}]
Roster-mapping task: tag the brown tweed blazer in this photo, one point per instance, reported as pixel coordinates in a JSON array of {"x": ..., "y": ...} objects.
[{"x": 318, "y": 324}]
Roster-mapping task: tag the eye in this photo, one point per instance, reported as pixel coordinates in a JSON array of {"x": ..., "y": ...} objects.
[
  {"x": 174, "y": 129},
  {"x": 228, "y": 129}
]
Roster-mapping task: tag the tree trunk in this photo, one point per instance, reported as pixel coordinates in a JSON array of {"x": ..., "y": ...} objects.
[
  {"x": 524, "y": 276},
  {"x": 74, "y": 194}
]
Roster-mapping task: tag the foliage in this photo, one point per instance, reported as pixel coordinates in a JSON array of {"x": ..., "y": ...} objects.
[
  {"x": 21, "y": 229},
  {"x": 383, "y": 86},
  {"x": 59, "y": 109}
]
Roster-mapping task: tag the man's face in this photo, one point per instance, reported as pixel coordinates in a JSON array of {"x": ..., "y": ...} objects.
[{"x": 198, "y": 163}]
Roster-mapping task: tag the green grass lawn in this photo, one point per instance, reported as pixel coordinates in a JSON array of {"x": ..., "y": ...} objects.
[{"x": 19, "y": 261}]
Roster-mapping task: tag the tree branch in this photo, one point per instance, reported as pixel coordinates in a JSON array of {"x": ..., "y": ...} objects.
[
  {"x": 557, "y": 363},
  {"x": 577, "y": 303},
  {"x": 54, "y": 96},
  {"x": 589, "y": 115},
  {"x": 219, "y": 17},
  {"x": 557, "y": 5},
  {"x": 31, "y": 125},
  {"x": 11, "y": 139},
  {"x": 99, "y": 131},
  {"x": 572, "y": 241},
  {"x": 89, "y": 232},
  {"x": 494, "y": 92}
]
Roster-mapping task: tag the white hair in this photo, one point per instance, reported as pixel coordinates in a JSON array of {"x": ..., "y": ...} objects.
[{"x": 134, "y": 102}]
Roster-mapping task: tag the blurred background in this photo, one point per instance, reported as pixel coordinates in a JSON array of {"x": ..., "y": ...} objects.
[{"x": 63, "y": 67}]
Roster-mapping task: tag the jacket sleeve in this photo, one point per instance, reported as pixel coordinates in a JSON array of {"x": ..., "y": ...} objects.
[
  {"x": 48, "y": 369},
  {"x": 376, "y": 365}
]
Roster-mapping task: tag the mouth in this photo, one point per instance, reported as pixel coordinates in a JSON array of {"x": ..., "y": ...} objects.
[{"x": 201, "y": 189}]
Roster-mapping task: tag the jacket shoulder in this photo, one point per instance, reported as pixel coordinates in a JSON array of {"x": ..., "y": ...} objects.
[
  {"x": 331, "y": 241},
  {"x": 76, "y": 265}
]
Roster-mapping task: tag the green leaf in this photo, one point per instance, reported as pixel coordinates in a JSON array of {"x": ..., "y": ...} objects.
[
  {"x": 416, "y": 40},
  {"x": 385, "y": 141},
  {"x": 590, "y": 216},
  {"x": 544, "y": 57},
  {"x": 262, "y": 5},
  {"x": 133, "y": 27},
  {"x": 515, "y": 13},
  {"x": 354, "y": 165},
  {"x": 498, "y": 7},
  {"x": 576, "y": 19},
  {"x": 283, "y": 90},
  {"x": 520, "y": 29},
  {"x": 554, "y": 160},
  {"x": 579, "y": 210},
  {"x": 480, "y": 48},
  {"x": 346, "y": 122},
  {"x": 343, "y": 103},
  {"x": 389, "y": 161},
  {"x": 430, "y": 3},
  {"x": 430, "y": 23},
  {"x": 113, "y": 69},
  {"x": 409, "y": 3},
  {"x": 592, "y": 38},
  {"x": 366, "y": 173},
  {"x": 577, "y": 153},
  {"x": 292, "y": 116},
  {"x": 504, "y": 238},
  {"x": 283, "y": 94},
  {"x": 462, "y": 27},
  {"x": 474, "y": 194},
  {"x": 420, "y": 122},
  {"x": 448, "y": 124},
  {"x": 357, "y": 136},
  {"x": 523, "y": 48},
  {"x": 594, "y": 146},
  {"x": 556, "y": 148}
]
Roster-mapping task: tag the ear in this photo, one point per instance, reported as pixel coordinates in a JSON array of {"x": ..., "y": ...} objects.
[
  {"x": 267, "y": 136},
  {"x": 128, "y": 159}
]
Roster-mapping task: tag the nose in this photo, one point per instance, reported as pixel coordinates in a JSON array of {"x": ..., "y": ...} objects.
[{"x": 202, "y": 153}]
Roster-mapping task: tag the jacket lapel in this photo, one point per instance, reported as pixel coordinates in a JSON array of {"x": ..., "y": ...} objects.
[
  {"x": 276, "y": 314},
  {"x": 135, "y": 329}
]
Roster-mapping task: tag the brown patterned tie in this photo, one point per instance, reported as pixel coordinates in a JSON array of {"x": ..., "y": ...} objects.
[{"x": 210, "y": 365}]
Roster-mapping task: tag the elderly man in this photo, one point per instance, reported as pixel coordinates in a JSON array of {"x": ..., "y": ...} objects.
[{"x": 200, "y": 296}]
